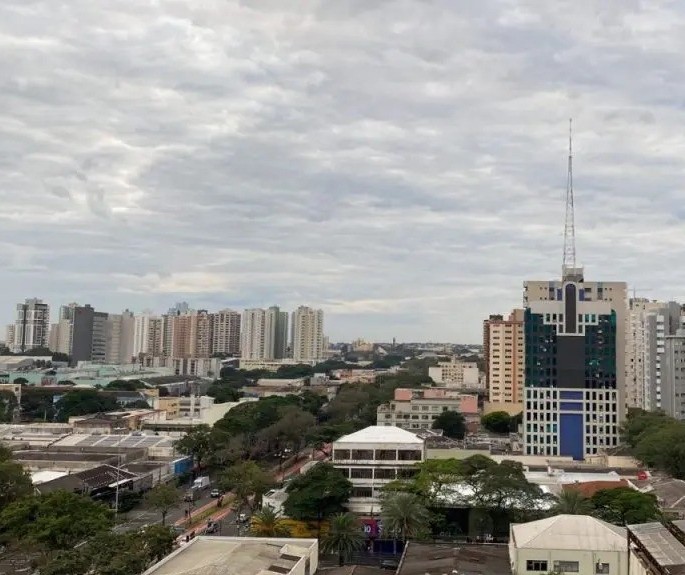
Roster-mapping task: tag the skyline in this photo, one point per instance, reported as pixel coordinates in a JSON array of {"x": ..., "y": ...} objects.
[{"x": 401, "y": 167}]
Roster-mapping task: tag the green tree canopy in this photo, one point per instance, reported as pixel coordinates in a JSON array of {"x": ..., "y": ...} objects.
[
  {"x": 125, "y": 385},
  {"x": 344, "y": 536},
  {"x": 268, "y": 523},
  {"x": 223, "y": 392},
  {"x": 248, "y": 482},
  {"x": 54, "y": 521},
  {"x": 319, "y": 493},
  {"x": 404, "y": 516},
  {"x": 573, "y": 502},
  {"x": 15, "y": 482},
  {"x": 8, "y": 406},
  {"x": 497, "y": 422},
  {"x": 163, "y": 497},
  {"x": 625, "y": 506},
  {"x": 452, "y": 424},
  {"x": 84, "y": 402},
  {"x": 197, "y": 443}
]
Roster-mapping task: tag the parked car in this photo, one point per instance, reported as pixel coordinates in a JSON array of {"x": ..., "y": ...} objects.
[
  {"x": 215, "y": 493},
  {"x": 212, "y": 527}
]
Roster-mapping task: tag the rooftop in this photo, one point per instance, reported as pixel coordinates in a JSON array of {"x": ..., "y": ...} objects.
[
  {"x": 237, "y": 556},
  {"x": 380, "y": 434},
  {"x": 589, "y": 488},
  {"x": 569, "y": 532},
  {"x": 425, "y": 559},
  {"x": 660, "y": 545}
]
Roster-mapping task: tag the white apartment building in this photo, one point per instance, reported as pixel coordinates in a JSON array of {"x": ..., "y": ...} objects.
[
  {"x": 9, "y": 336},
  {"x": 275, "y": 333},
  {"x": 119, "y": 333},
  {"x": 416, "y": 409},
  {"x": 455, "y": 373},
  {"x": 226, "y": 332},
  {"x": 673, "y": 375},
  {"x": 307, "y": 334},
  {"x": 32, "y": 326},
  {"x": 373, "y": 457},
  {"x": 252, "y": 334},
  {"x": 141, "y": 332},
  {"x": 504, "y": 345}
]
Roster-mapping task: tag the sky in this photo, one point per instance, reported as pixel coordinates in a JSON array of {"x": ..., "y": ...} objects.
[{"x": 400, "y": 164}]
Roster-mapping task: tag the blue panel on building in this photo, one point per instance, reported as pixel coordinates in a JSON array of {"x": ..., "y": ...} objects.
[
  {"x": 571, "y": 395},
  {"x": 570, "y": 406},
  {"x": 581, "y": 295},
  {"x": 571, "y": 435}
]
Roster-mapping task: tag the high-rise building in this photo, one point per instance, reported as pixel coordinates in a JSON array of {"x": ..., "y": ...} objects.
[
  {"x": 252, "y": 334},
  {"x": 575, "y": 346},
  {"x": 575, "y": 334},
  {"x": 275, "y": 333},
  {"x": 9, "y": 336},
  {"x": 61, "y": 332},
  {"x": 226, "y": 332},
  {"x": 673, "y": 375},
  {"x": 307, "y": 334},
  {"x": 191, "y": 334},
  {"x": 32, "y": 326},
  {"x": 88, "y": 335},
  {"x": 141, "y": 332},
  {"x": 649, "y": 323},
  {"x": 504, "y": 346},
  {"x": 119, "y": 335}
]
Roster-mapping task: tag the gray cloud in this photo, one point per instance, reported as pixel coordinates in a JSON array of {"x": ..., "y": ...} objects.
[{"x": 401, "y": 164}]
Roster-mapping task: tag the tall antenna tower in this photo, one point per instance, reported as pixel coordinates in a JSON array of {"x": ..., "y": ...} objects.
[{"x": 569, "y": 269}]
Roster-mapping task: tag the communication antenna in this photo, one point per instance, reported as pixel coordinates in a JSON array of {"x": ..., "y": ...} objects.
[{"x": 569, "y": 262}]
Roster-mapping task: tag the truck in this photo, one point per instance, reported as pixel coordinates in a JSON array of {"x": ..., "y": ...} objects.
[{"x": 201, "y": 483}]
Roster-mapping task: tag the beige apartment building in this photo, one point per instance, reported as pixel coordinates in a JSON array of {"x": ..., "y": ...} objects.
[
  {"x": 456, "y": 373},
  {"x": 415, "y": 409},
  {"x": 504, "y": 346}
]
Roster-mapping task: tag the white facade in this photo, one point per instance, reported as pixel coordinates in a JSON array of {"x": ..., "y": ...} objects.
[
  {"x": 373, "y": 457},
  {"x": 32, "y": 326},
  {"x": 455, "y": 373},
  {"x": 275, "y": 333},
  {"x": 9, "y": 336},
  {"x": 143, "y": 325},
  {"x": 568, "y": 544},
  {"x": 252, "y": 334},
  {"x": 307, "y": 334},
  {"x": 119, "y": 333}
]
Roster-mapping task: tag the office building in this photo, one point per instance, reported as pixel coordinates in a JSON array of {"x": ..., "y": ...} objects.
[
  {"x": 575, "y": 344},
  {"x": 504, "y": 347},
  {"x": 275, "y": 333},
  {"x": 252, "y": 334},
  {"x": 373, "y": 457},
  {"x": 32, "y": 326},
  {"x": 119, "y": 334},
  {"x": 456, "y": 373},
  {"x": 226, "y": 332},
  {"x": 416, "y": 409},
  {"x": 88, "y": 335}
]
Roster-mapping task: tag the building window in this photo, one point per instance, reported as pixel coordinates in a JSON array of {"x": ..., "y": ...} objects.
[
  {"x": 362, "y": 492},
  {"x": 533, "y": 565},
  {"x": 362, "y": 454},
  {"x": 386, "y": 455},
  {"x": 341, "y": 454},
  {"x": 601, "y": 568},
  {"x": 566, "y": 566},
  {"x": 361, "y": 473}
]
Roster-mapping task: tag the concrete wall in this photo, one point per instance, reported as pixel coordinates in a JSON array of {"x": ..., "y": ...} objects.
[{"x": 587, "y": 559}]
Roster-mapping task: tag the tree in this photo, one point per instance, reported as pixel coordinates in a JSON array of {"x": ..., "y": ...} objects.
[
  {"x": 452, "y": 424},
  {"x": 572, "y": 502},
  {"x": 268, "y": 523},
  {"x": 15, "y": 482},
  {"x": 320, "y": 492},
  {"x": 125, "y": 385},
  {"x": 163, "y": 497},
  {"x": 8, "y": 406},
  {"x": 223, "y": 392},
  {"x": 497, "y": 422},
  {"x": 404, "y": 516},
  {"x": 54, "y": 521},
  {"x": 158, "y": 541},
  {"x": 21, "y": 381},
  {"x": 197, "y": 444},
  {"x": 625, "y": 506},
  {"x": 248, "y": 482},
  {"x": 84, "y": 402},
  {"x": 344, "y": 536}
]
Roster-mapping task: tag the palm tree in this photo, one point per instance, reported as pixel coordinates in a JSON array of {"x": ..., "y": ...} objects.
[
  {"x": 572, "y": 502},
  {"x": 344, "y": 536},
  {"x": 268, "y": 523},
  {"x": 403, "y": 514}
]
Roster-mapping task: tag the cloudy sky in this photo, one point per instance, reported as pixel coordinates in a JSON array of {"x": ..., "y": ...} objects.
[{"x": 401, "y": 164}]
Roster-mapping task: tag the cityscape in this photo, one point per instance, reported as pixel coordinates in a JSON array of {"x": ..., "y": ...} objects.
[{"x": 369, "y": 367}]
